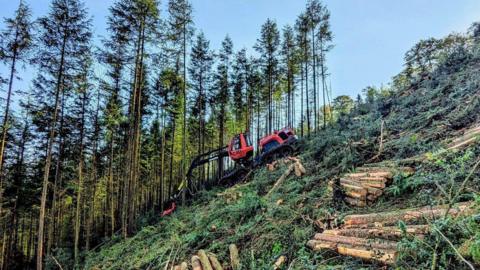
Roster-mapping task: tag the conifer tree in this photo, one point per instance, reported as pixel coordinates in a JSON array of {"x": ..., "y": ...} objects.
[
  {"x": 301, "y": 26},
  {"x": 200, "y": 70},
  {"x": 324, "y": 37},
  {"x": 239, "y": 80},
  {"x": 64, "y": 40},
  {"x": 267, "y": 45},
  {"x": 222, "y": 95},
  {"x": 15, "y": 45},
  {"x": 288, "y": 51},
  {"x": 181, "y": 31}
]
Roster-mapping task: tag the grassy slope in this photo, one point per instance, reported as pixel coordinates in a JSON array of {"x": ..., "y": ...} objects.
[{"x": 417, "y": 118}]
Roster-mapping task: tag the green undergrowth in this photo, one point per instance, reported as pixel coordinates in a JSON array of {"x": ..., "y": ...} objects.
[{"x": 419, "y": 117}]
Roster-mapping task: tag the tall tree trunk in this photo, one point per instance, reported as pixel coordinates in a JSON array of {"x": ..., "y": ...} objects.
[
  {"x": 172, "y": 152},
  {"x": 302, "y": 116},
  {"x": 314, "y": 70},
  {"x": 184, "y": 89},
  {"x": 5, "y": 120},
  {"x": 52, "y": 226},
  {"x": 322, "y": 65},
  {"x": 80, "y": 182},
  {"x": 306, "y": 88},
  {"x": 48, "y": 161}
]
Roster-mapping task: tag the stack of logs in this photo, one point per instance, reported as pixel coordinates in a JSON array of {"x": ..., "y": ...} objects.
[
  {"x": 374, "y": 236},
  {"x": 469, "y": 137},
  {"x": 367, "y": 184},
  {"x": 208, "y": 261}
]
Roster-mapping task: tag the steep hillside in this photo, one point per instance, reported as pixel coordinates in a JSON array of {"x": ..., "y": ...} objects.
[{"x": 406, "y": 125}]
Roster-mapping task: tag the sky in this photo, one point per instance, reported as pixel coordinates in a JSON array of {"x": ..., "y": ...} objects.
[{"x": 370, "y": 36}]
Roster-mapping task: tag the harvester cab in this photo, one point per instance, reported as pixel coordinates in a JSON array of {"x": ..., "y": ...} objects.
[
  {"x": 240, "y": 149},
  {"x": 285, "y": 136}
]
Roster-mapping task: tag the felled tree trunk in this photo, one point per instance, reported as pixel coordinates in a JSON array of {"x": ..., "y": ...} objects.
[
  {"x": 196, "y": 265},
  {"x": 384, "y": 251},
  {"x": 204, "y": 260},
  {"x": 216, "y": 265},
  {"x": 408, "y": 215},
  {"x": 234, "y": 258},
  {"x": 391, "y": 233}
]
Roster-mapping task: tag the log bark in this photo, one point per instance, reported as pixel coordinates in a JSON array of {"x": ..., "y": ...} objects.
[
  {"x": 282, "y": 178},
  {"x": 461, "y": 144},
  {"x": 196, "y": 265},
  {"x": 360, "y": 188},
  {"x": 386, "y": 256},
  {"x": 406, "y": 215},
  {"x": 384, "y": 174},
  {"x": 234, "y": 258},
  {"x": 202, "y": 255},
  {"x": 389, "y": 233},
  {"x": 375, "y": 169},
  {"x": 356, "y": 241},
  {"x": 361, "y": 196},
  {"x": 380, "y": 255},
  {"x": 216, "y": 265}
]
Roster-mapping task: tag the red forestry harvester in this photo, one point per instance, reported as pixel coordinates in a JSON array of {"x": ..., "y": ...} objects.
[{"x": 240, "y": 150}]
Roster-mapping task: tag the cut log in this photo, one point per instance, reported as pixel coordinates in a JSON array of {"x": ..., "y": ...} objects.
[
  {"x": 184, "y": 266},
  {"x": 234, "y": 258},
  {"x": 216, "y": 265},
  {"x": 298, "y": 172},
  {"x": 389, "y": 233},
  {"x": 355, "y": 202},
  {"x": 356, "y": 195},
  {"x": 356, "y": 189},
  {"x": 196, "y": 265},
  {"x": 279, "y": 262},
  {"x": 177, "y": 267},
  {"x": 380, "y": 184},
  {"x": 386, "y": 256},
  {"x": 407, "y": 215},
  {"x": 462, "y": 144},
  {"x": 355, "y": 241},
  {"x": 381, "y": 255},
  {"x": 318, "y": 245},
  {"x": 282, "y": 178},
  {"x": 467, "y": 135},
  {"x": 204, "y": 260},
  {"x": 386, "y": 174},
  {"x": 374, "y": 169}
]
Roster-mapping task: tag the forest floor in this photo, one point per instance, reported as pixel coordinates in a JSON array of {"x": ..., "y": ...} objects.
[
  {"x": 266, "y": 225},
  {"x": 418, "y": 126}
]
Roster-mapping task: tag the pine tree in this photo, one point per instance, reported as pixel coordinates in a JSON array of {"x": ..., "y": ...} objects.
[
  {"x": 301, "y": 26},
  {"x": 239, "y": 78},
  {"x": 222, "y": 96},
  {"x": 267, "y": 45},
  {"x": 289, "y": 49},
  {"x": 324, "y": 37},
  {"x": 115, "y": 57},
  {"x": 64, "y": 40},
  {"x": 181, "y": 27},
  {"x": 200, "y": 70},
  {"x": 16, "y": 44}
]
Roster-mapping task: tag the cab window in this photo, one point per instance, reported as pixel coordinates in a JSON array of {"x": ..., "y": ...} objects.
[
  {"x": 283, "y": 135},
  {"x": 236, "y": 143},
  {"x": 248, "y": 139}
]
